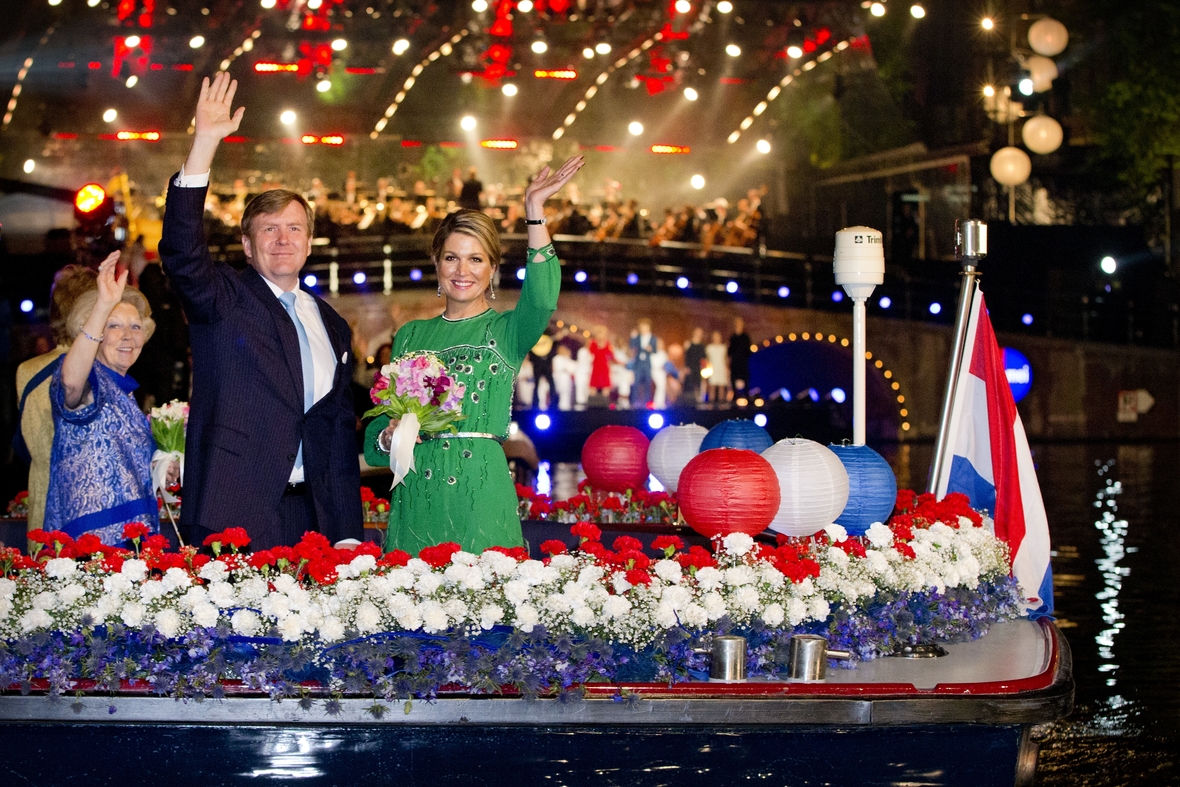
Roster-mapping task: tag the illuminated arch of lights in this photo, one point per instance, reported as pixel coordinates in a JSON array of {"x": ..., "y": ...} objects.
[
  {"x": 831, "y": 338},
  {"x": 787, "y": 80},
  {"x": 601, "y": 79},
  {"x": 245, "y": 46},
  {"x": 443, "y": 51},
  {"x": 20, "y": 78}
]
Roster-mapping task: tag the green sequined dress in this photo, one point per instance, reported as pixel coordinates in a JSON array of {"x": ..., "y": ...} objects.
[{"x": 462, "y": 490}]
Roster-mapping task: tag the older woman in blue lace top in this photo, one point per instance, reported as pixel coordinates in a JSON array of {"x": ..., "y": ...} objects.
[{"x": 100, "y": 468}]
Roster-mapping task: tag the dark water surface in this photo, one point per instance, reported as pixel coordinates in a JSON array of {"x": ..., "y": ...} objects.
[{"x": 1114, "y": 517}]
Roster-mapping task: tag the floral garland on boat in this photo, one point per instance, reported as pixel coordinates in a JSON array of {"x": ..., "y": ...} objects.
[{"x": 81, "y": 615}]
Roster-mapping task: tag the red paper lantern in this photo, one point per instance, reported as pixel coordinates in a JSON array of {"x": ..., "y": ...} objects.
[
  {"x": 728, "y": 490},
  {"x": 615, "y": 458}
]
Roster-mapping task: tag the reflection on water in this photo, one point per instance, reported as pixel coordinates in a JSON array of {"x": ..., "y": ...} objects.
[
  {"x": 1113, "y": 536},
  {"x": 294, "y": 754}
]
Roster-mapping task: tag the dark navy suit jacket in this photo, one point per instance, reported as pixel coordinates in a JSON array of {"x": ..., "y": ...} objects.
[{"x": 246, "y": 417}]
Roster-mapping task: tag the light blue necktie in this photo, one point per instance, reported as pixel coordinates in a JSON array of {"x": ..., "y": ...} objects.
[{"x": 288, "y": 301}]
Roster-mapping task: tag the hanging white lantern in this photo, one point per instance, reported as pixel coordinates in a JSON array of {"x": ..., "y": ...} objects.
[
  {"x": 813, "y": 485},
  {"x": 1042, "y": 70},
  {"x": 1048, "y": 37},
  {"x": 671, "y": 449},
  {"x": 1042, "y": 134},
  {"x": 1011, "y": 166}
]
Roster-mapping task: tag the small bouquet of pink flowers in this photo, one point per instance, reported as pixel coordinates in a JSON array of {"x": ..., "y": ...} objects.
[{"x": 416, "y": 390}]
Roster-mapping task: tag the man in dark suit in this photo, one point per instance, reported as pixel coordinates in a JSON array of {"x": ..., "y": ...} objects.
[{"x": 270, "y": 444}]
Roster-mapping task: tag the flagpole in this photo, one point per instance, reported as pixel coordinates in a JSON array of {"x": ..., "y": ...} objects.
[{"x": 970, "y": 247}]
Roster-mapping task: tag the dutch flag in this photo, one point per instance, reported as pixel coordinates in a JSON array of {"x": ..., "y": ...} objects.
[{"x": 990, "y": 461}]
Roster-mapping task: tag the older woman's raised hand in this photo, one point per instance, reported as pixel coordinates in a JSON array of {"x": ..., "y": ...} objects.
[
  {"x": 110, "y": 285},
  {"x": 548, "y": 182}
]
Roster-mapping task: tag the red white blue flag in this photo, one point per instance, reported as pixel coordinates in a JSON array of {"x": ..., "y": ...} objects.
[{"x": 988, "y": 460}]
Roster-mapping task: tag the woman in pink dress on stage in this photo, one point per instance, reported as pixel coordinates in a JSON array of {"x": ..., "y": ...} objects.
[{"x": 603, "y": 355}]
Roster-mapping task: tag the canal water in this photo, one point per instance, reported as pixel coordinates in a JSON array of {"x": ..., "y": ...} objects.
[{"x": 1114, "y": 514}]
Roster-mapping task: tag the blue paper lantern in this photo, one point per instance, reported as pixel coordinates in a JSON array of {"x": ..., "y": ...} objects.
[
  {"x": 872, "y": 488},
  {"x": 738, "y": 433}
]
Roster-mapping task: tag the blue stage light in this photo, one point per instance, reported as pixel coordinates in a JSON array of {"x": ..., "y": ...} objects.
[
  {"x": 542, "y": 422},
  {"x": 885, "y": 302},
  {"x": 935, "y": 308},
  {"x": 26, "y": 306},
  {"x": 1027, "y": 319},
  {"x": 310, "y": 280},
  {"x": 813, "y": 394},
  {"x": 415, "y": 274},
  {"x": 837, "y": 296},
  {"x": 655, "y": 421},
  {"x": 731, "y": 287},
  {"x": 520, "y": 274},
  {"x": 632, "y": 279},
  {"x": 784, "y": 394},
  {"x": 580, "y": 277},
  {"x": 359, "y": 277},
  {"x": 760, "y": 420},
  {"x": 838, "y": 395},
  {"x": 682, "y": 282},
  {"x": 784, "y": 292}
]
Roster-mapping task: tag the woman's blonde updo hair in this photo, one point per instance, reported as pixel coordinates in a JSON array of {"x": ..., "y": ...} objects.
[
  {"x": 470, "y": 222},
  {"x": 85, "y": 305}
]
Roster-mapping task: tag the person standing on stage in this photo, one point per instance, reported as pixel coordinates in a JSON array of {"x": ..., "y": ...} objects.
[
  {"x": 694, "y": 360},
  {"x": 739, "y": 358},
  {"x": 270, "y": 444},
  {"x": 643, "y": 344},
  {"x": 461, "y": 490}
]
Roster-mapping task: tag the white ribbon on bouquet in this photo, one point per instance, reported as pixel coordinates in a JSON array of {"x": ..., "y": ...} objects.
[
  {"x": 161, "y": 461},
  {"x": 401, "y": 448}
]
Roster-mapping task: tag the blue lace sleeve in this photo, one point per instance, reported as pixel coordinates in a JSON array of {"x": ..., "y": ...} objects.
[{"x": 84, "y": 414}]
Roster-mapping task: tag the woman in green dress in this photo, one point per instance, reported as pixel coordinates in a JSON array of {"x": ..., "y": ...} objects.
[{"x": 462, "y": 490}]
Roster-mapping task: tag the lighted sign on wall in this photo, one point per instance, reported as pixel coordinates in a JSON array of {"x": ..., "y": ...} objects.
[{"x": 1018, "y": 371}]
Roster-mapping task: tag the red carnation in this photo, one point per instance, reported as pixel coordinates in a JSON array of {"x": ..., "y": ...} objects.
[
  {"x": 133, "y": 531},
  {"x": 586, "y": 531},
  {"x": 905, "y": 549},
  {"x": 554, "y": 547},
  {"x": 323, "y": 572},
  {"x": 366, "y": 548},
  {"x": 695, "y": 558},
  {"x": 612, "y": 503},
  {"x": 638, "y": 576},
  {"x": 596, "y": 549},
  {"x": 852, "y": 546},
  {"x": 155, "y": 541},
  {"x": 525, "y": 492},
  {"x": 520, "y": 554},
  {"x": 632, "y": 559},
  {"x": 438, "y": 556},
  {"x": 625, "y": 543},
  {"x": 668, "y": 544},
  {"x": 395, "y": 559},
  {"x": 262, "y": 558},
  {"x": 285, "y": 553},
  {"x": 367, "y": 495},
  {"x": 88, "y": 544}
]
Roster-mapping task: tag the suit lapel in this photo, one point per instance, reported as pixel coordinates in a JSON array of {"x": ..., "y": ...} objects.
[{"x": 284, "y": 328}]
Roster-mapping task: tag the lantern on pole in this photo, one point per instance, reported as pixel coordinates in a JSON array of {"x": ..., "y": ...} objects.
[
  {"x": 1048, "y": 37},
  {"x": 859, "y": 265},
  {"x": 1042, "y": 134}
]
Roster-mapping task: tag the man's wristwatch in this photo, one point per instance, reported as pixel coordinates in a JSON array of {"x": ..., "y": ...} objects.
[{"x": 534, "y": 222}]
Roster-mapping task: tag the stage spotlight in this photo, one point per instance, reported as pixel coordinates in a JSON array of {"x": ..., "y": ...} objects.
[
  {"x": 763, "y": 146},
  {"x": 479, "y": 6},
  {"x": 542, "y": 422},
  {"x": 733, "y": 50},
  {"x": 26, "y": 306},
  {"x": 635, "y": 127},
  {"x": 400, "y": 46},
  {"x": 415, "y": 274},
  {"x": 936, "y": 308},
  {"x": 724, "y": 7},
  {"x": 196, "y": 42},
  {"x": 339, "y": 45},
  {"x": 323, "y": 86},
  {"x": 524, "y": 6},
  {"x": 794, "y": 51},
  {"x": 632, "y": 279},
  {"x": 1027, "y": 319},
  {"x": 877, "y": 9},
  {"x": 838, "y": 395},
  {"x": 885, "y": 302},
  {"x": 310, "y": 280},
  {"x": 691, "y": 94},
  {"x": 110, "y": 115},
  {"x": 29, "y": 166},
  {"x": 467, "y": 123},
  {"x": 760, "y": 420},
  {"x": 917, "y": 11},
  {"x": 655, "y": 421},
  {"x": 784, "y": 292},
  {"x": 580, "y": 277},
  {"x": 287, "y": 117},
  {"x": 359, "y": 278},
  {"x": 987, "y": 23},
  {"x": 697, "y": 182},
  {"x": 813, "y": 394},
  {"x": 539, "y": 47},
  {"x": 837, "y": 296},
  {"x": 1108, "y": 265},
  {"x": 509, "y": 89},
  {"x": 731, "y": 287},
  {"x": 588, "y": 53},
  {"x": 682, "y": 282},
  {"x": 520, "y": 274},
  {"x": 683, "y": 6},
  {"x": 131, "y": 41},
  {"x": 602, "y": 48},
  {"x": 132, "y": 80},
  {"x": 267, "y": 4}
]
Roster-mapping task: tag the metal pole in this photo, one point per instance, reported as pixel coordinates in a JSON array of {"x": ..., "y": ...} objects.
[
  {"x": 971, "y": 244},
  {"x": 858, "y": 371}
]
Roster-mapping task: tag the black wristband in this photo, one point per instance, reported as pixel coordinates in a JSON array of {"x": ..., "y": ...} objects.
[{"x": 534, "y": 222}]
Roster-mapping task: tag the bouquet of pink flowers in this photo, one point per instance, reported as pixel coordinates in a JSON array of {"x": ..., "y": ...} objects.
[
  {"x": 418, "y": 383},
  {"x": 416, "y": 390}
]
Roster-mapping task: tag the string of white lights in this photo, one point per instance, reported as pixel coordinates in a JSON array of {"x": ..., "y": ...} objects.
[
  {"x": 246, "y": 46},
  {"x": 20, "y": 78},
  {"x": 601, "y": 80},
  {"x": 787, "y": 80},
  {"x": 443, "y": 51}
]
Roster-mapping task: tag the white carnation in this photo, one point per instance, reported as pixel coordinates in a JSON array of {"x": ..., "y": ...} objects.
[
  {"x": 738, "y": 543},
  {"x": 222, "y": 594},
  {"x": 714, "y": 606},
  {"x": 168, "y": 622},
  {"x": 773, "y": 614},
  {"x": 368, "y": 618},
  {"x": 35, "y": 619},
  {"x": 46, "y": 599},
  {"x": 331, "y": 630},
  {"x": 434, "y": 617},
  {"x": 246, "y": 622},
  {"x": 709, "y": 579},
  {"x": 133, "y": 614},
  {"x": 283, "y": 582},
  {"x": 427, "y": 584},
  {"x": 71, "y": 594},
  {"x": 516, "y": 591},
  {"x": 60, "y": 567},
  {"x": 490, "y": 615},
  {"x": 291, "y": 628},
  {"x": 836, "y": 532},
  {"x": 582, "y": 615},
  {"x": 526, "y": 617},
  {"x": 205, "y": 614},
  {"x": 796, "y": 611},
  {"x": 694, "y": 616},
  {"x": 616, "y": 607},
  {"x": 747, "y": 598},
  {"x": 134, "y": 569},
  {"x": 362, "y": 563},
  {"x": 7, "y": 588},
  {"x": 879, "y": 535},
  {"x": 668, "y": 570},
  {"x": 739, "y": 575},
  {"x": 819, "y": 608}
]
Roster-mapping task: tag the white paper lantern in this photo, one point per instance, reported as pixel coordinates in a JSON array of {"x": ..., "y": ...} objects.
[
  {"x": 1011, "y": 166},
  {"x": 671, "y": 449},
  {"x": 813, "y": 484},
  {"x": 1042, "y": 70},
  {"x": 1048, "y": 37},
  {"x": 1041, "y": 134}
]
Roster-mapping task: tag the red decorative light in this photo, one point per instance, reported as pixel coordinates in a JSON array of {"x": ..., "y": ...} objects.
[
  {"x": 157, "y": 66},
  {"x": 232, "y": 138},
  {"x": 728, "y": 490},
  {"x": 605, "y": 148},
  {"x": 276, "y": 68},
  {"x": 555, "y": 73},
  {"x": 451, "y": 145},
  {"x": 733, "y": 81},
  {"x": 669, "y": 149},
  {"x": 615, "y": 458},
  {"x": 808, "y": 45},
  {"x": 822, "y": 35},
  {"x": 411, "y": 143},
  {"x": 94, "y": 65},
  {"x": 182, "y": 67},
  {"x": 312, "y": 139},
  {"x": 130, "y": 136},
  {"x": 501, "y": 28},
  {"x": 64, "y": 135},
  {"x": 499, "y": 144},
  {"x": 359, "y": 70}
]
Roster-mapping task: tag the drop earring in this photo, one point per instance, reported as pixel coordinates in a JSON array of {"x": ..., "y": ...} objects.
[
  {"x": 492, "y": 290},
  {"x": 439, "y": 292}
]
